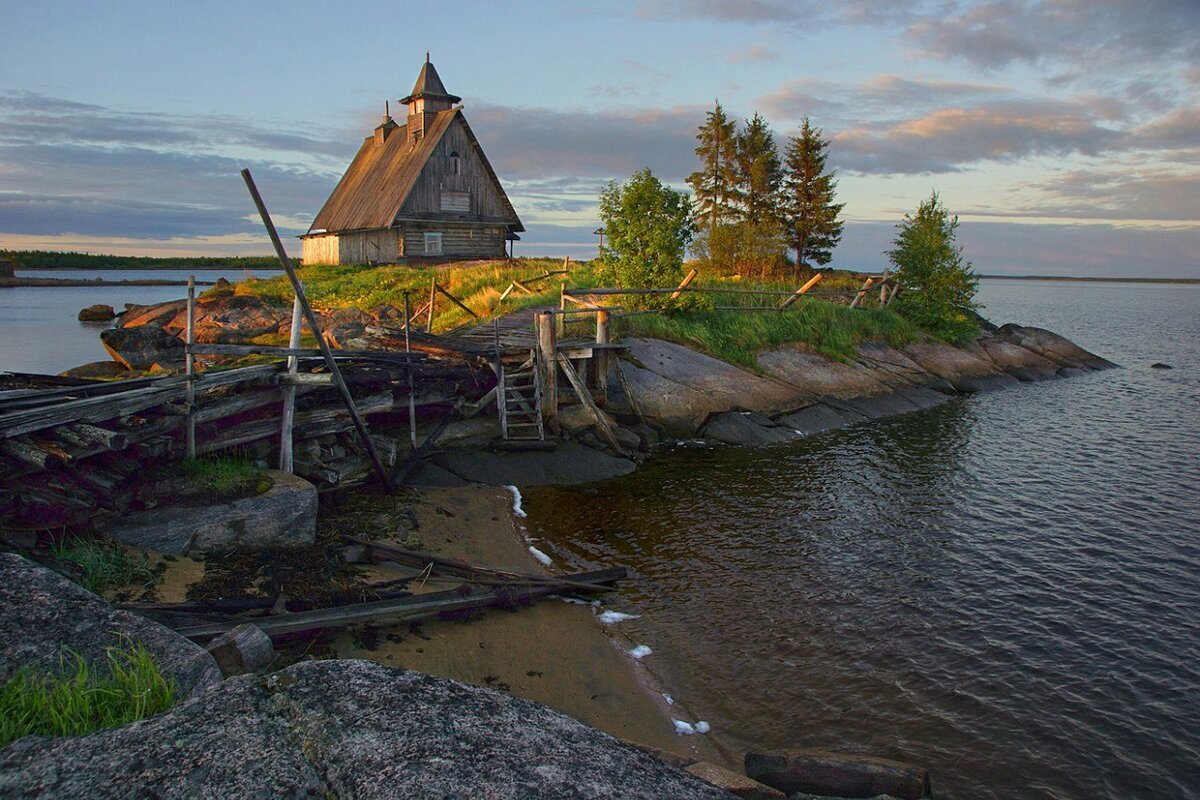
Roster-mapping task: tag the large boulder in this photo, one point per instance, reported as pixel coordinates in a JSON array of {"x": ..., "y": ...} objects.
[
  {"x": 97, "y": 370},
  {"x": 284, "y": 516},
  {"x": 97, "y": 313},
  {"x": 233, "y": 319},
  {"x": 346, "y": 729},
  {"x": 42, "y": 612},
  {"x": 1020, "y": 362},
  {"x": 158, "y": 315},
  {"x": 818, "y": 376},
  {"x": 143, "y": 347},
  {"x": 1053, "y": 347}
]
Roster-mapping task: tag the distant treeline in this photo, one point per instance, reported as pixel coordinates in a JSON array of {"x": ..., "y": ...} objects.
[{"x": 44, "y": 259}]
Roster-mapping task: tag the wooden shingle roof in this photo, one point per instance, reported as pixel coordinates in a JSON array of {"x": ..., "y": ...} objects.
[{"x": 381, "y": 176}]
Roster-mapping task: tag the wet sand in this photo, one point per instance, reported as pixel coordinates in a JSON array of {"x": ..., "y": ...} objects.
[{"x": 553, "y": 652}]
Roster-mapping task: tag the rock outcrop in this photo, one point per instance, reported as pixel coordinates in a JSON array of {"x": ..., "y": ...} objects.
[
  {"x": 42, "y": 612},
  {"x": 97, "y": 313},
  {"x": 143, "y": 347},
  {"x": 283, "y": 516},
  {"x": 346, "y": 729}
]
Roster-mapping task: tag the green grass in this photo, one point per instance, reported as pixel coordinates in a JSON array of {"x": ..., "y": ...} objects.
[
  {"x": 105, "y": 565},
  {"x": 737, "y": 337},
  {"x": 477, "y": 284},
  {"x": 221, "y": 477},
  {"x": 83, "y": 700},
  {"x": 831, "y": 329}
]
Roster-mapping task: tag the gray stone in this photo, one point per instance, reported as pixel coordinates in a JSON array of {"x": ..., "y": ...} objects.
[
  {"x": 1052, "y": 347},
  {"x": 142, "y": 347},
  {"x": 96, "y": 369},
  {"x": 41, "y": 611},
  {"x": 740, "y": 427},
  {"x": 1023, "y": 364},
  {"x": 822, "y": 772},
  {"x": 815, "y": 419},
  {"x": 283, "y": 516},
  {"x": 966, "y": 371},
  {"x": 629, "y": 440},
  {"x": 245, "y": 648},
  {"x": 346, "y": 729},
  {"x": 575, "y": 419},
  {"x": 568, "y": 463}
]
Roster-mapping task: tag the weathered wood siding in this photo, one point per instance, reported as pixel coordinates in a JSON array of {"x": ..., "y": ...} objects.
[
  {"x": 458, "y": 240},
  {"x": 368, "y": 247},
  {"x": 320, "y": 249},
  {"x": 437, "y": 177}
]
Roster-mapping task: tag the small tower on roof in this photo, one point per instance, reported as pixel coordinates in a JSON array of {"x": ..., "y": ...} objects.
[{"x": 428, "y": 97}]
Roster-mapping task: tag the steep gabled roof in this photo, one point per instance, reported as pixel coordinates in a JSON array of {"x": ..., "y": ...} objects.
[{"x": 381, "y": 176}]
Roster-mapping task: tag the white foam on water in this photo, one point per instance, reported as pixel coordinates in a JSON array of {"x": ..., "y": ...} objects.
[
  {"x": 702, "y": 727},
  {"x": 640, "y": 652},
  {"x": 540, "y": 556},
  {"x": 516, "y": 493},
  {"x": 683, "y": 728},
  {"x": 670, "y": 700},
  {"x": 611, "y": 617}
]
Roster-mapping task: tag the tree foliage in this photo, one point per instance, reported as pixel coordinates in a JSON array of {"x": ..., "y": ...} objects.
[
  {"x": 716, "y": 182},
  {"x": 648, "y": 227},
  {"x": 937, "y": 286},
  {"x": 810, "y": 215},
  {"x": 759, "y": 173}
]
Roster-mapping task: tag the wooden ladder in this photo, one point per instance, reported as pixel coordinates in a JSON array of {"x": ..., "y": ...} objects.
[{"x": 519, "y": 400}]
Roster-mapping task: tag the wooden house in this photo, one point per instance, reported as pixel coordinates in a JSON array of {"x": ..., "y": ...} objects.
[{"x": 421, "y": 191}]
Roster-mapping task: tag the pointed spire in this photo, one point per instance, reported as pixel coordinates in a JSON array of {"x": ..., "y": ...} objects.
[{"x": 429, "y": 85}]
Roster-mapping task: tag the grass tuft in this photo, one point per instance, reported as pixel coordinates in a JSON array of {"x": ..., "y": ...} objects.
[
  {"x": 83, "y": 700},
  {"x": 227, "y": 476},
  {"x": 105, "y": 565}
]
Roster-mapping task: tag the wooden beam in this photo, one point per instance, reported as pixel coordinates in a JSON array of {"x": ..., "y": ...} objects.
[
  {"x": 605, "y": 429},
  {"x": 811, "y": 282},
  {"x": 315, "y": 327},
  {"x": 421, "y": 606},
  {"x": 547, "y": 348},
  {"x": 189, "y": 362},
  {"x": 432, "y": 303},
  {"x": 862, "y": 292},
  {"x": 456, "y": 301},
  {"x": 691, "y": 276}
]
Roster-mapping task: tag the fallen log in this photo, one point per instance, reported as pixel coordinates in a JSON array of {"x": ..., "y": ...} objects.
[{"x": 402, "y": 609}]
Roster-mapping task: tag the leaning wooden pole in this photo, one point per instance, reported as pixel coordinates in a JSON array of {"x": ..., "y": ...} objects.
[
  {"x": 288, "y": 417},
  {"x": 189, "y": 364},
  {"x": 315, "y": 326}
]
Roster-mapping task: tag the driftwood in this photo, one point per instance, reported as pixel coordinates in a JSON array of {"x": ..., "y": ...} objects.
[{"x": 408, "y": 608}]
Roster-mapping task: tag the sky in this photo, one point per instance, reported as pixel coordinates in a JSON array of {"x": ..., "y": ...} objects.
[{"x": 1065, "y": 133}]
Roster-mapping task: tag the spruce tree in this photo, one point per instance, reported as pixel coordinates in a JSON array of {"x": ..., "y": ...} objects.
[
  {"x": 715, "y": 185},
  {"x": 810, "y": 215},
  {"x": 759, "y": 172}
]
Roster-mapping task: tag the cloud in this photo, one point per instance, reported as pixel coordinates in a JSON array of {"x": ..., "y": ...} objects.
[
  {"x": 1013, "y": 248},
  {"x": 1111, "y": 42},
  {"x": 755, "y": 52},
  {"x": 881, "y": 96},
  {"x": 724, "y": 10},
  {"x": 950, "y": 139},
  {"x": 1159, "y": 195},
  {"x": 536, "y": 143}
]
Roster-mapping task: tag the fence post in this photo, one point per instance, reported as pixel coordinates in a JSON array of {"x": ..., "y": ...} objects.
[
  {"x": 412, "y": 401},
  {"x": 547, "y": 349},
  {"x": 883, "y": 289},
  {"x": 867, "y": 284},
  {"x": 189, "y": 362},
  {"x": 600, "y": 356},
  {"x": 432, "y": 298},
  {"x": 561, "y": 322}
]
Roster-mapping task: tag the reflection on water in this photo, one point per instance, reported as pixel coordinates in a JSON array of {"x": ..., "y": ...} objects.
[{"x": 1005, "y": 588}]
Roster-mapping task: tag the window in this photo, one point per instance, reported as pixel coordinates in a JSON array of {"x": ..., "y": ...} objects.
[
  {"x": 455, "y": 164},
  {"x": 433, "y": 244}
]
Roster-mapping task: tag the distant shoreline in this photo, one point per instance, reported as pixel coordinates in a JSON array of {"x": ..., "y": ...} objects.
[
  {"x": 20, "y": 283},
  {"x": 1082, "y": 279}
]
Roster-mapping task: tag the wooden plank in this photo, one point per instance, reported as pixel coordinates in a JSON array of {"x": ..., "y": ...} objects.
[
  {"x": 315, "y": 327},
  {"x": 88, "y": 409},
  {"x": 602, "y": 425},
  {"x": 398, "y": 609},
  {"x": 811, "y": 282},
  {"x": 432, "y": 302},
  {"x": 456, "y": 301}
]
